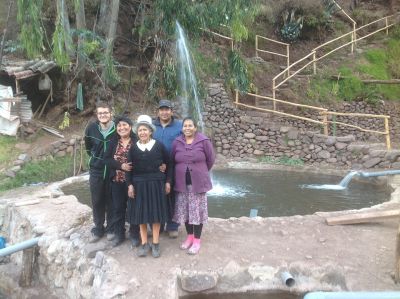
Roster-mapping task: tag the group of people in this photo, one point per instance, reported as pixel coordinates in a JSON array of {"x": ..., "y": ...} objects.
[{"x": 151, "y": 173}]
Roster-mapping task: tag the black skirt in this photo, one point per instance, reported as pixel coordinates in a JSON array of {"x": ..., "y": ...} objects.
[{"x": 149, "y": 204}]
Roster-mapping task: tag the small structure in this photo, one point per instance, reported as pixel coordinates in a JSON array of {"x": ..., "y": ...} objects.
[{"x": 24, "y": 86}]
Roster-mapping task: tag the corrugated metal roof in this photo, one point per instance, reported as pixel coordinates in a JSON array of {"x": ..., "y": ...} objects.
[{"x": 22, "y": 69}]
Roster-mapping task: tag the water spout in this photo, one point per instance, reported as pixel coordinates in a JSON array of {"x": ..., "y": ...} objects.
[
  {"x": 189, "y": 97},
  {"x": 346, "y": 180}
]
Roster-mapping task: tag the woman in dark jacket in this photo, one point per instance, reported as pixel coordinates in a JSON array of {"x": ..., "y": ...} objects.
[
  {"x": 194, "y": 156},
  {"x": 116, "y": 158}
]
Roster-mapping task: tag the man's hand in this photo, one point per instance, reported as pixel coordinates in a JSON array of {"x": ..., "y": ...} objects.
[
  {"x": 167, "y": 188},
  {"x": 126, "y": 166},
  {"x": 163, "y": 167},
  {"x": 131, "y": 191}
]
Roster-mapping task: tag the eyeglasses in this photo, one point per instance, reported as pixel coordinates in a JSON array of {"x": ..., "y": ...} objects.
[{"x": 103, "y": 113}]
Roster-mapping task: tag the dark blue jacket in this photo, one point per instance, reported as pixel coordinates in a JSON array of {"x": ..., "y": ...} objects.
[
  {"x": 96, "y": 146},
  {"x": 166, "y": 135}
]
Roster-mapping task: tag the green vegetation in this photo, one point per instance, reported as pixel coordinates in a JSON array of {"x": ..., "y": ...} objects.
[
  {"x": 7, "y": 149},
  {"x": 284, "y": 160},
  {"x": 46, "y": 171},
  {"x": 379, "y": 64}
]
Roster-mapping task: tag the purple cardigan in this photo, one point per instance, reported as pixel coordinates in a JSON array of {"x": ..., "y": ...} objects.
[{"x": 199, "y": 157}]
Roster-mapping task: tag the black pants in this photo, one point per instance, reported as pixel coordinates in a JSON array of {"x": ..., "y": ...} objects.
[
  {"x": 119, "y": 192},
  {"x": 171, "y": 226},
  {"x": 101, "y": 205}
]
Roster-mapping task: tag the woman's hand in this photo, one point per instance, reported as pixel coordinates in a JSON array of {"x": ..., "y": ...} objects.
[
  {"x": 131, "y": 191},
  {"x": 167, "y": 188},
  {"x": 126, "y": 166},
  {"x": 163, "y": 167}
]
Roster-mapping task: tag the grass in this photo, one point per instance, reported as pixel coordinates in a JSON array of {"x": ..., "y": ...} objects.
[
  {"x": 7, "y": 149},
  {"x": 46, "y": 171},
  {"x": 380, "y": 63},
  {"x": 284, "y": 160}
]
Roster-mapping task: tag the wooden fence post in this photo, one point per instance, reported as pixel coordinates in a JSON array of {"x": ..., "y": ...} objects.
[
  {"x": 256, "y": 45},
  {"x": 273, "y": 93},
  {"x": 314, "y": 63},
  {"x": 288, "y": 59},
  {"x": 387, "y": 130},
  {"x": 236, "y": 97},
  {"x": 325, "y": 121},
  {"x": 387, "y": 23}
]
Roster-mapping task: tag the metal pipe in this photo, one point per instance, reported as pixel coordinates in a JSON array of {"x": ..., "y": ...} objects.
[
  {"x": 352, "y": 295},
  {"x": 287, "y": 279},
  {"x": 18, "y": 247},
  {"x": 379, "y": 173}
]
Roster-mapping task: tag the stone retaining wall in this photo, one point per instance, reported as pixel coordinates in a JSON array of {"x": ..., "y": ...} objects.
[
  {"x": 242, "y": 133},
  {"x": 59, "y": 148}
]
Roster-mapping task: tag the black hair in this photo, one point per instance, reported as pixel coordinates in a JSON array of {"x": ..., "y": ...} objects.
[
  {"x": 190, "y": 118},
  {"x": 124, "y": 119}
]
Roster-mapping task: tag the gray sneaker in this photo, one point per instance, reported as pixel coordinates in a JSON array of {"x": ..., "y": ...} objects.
[
  {"x": 143, "y": 250},
  {"x": 155, "y": 250}
]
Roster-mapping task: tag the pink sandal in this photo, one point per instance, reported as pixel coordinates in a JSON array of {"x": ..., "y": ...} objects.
[
  {"x": 188, "y": 242},
  {"x": 195, "y": 248}
]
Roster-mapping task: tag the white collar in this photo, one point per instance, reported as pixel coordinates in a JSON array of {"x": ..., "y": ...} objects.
[{"x": 148, "y": 146}]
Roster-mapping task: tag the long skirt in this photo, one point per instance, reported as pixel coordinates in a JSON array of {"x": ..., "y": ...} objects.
[
  {"x": 190, "y": 207},
  {"x": 149, "y": 203}
]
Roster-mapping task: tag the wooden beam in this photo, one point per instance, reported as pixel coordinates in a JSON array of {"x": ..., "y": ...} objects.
[
  {"x": 361, "y": 217},
  {"x": 369, "y": 81}
]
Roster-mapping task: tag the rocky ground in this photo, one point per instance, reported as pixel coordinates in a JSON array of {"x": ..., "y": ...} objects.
[{"x": 237, "y": 255}]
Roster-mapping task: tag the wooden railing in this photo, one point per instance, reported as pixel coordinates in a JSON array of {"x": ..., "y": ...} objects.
[
  {"x": 323, "y": 112},
  {"x": 221, "y": 36},
  {"x": 287, "y": 55},
  {"x": 319, "y": 109},
  {"x": 354, "y": 36},
  {"x": 385, "y": 118}
]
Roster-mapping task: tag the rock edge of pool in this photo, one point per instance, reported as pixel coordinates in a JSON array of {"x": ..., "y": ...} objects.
[{"x": 238, "y": 255}]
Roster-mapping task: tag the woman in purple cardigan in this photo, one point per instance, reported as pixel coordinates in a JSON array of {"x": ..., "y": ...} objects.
[{"x": 194, "y": 156}]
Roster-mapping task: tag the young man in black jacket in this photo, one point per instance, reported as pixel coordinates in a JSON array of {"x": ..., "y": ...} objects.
[{"x": 97, "y": 137}]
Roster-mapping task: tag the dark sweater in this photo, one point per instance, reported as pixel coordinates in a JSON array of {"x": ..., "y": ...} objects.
[
  {"x": 96, "y": 146},
  {"x": 148, "y": 163}
]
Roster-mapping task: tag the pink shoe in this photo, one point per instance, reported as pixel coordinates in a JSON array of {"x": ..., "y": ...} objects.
[
  {"x": 194, "y": 249},
  {"x": 188, "y": 242}
]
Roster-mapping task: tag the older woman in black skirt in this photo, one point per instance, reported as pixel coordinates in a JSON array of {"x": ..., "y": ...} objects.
[{"x": 148, "y": 186}]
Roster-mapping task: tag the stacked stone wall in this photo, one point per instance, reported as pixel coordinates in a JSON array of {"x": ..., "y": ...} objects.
[{"x": 242, "y": 133}]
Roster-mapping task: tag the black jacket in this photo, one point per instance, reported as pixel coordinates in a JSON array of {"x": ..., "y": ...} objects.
[
  {"x": 96, "y": 146},
  {"x": 109, "y": 160}
]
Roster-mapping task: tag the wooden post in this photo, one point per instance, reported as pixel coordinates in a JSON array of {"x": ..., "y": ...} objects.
[
  {"x": 236, "y": 97},
  {"x": 387, "y": 130},
  {"x": 387, "y": 23},
  {"x": 288, "y": 60},
  {"x": 28, "y": 259},
  {"x": 273, "y": 93},
  {"x": 256, "y": 45},
  {"x": 314, "y": 63},
  {"x": 232, "y": 44},
  {"x": 354, "y": 37},
  {"x": 325, "y": 121}
]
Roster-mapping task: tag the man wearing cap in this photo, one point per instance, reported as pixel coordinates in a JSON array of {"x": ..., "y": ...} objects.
[
  {"x": 167, "y": 129},
  {"x": 97, "y": 137}
]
